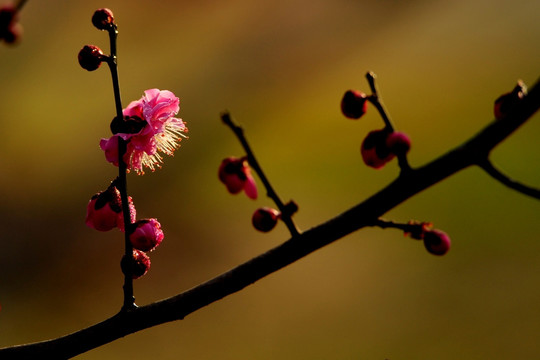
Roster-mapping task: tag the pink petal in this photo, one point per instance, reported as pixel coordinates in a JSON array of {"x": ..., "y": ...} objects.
[
  {"x": 110, "y": 146},
  {"x": 134, "y": 109},
  {"x": 250, "y": 187}
]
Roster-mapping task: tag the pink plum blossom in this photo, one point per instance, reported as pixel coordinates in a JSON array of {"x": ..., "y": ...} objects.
[{"x": 150, "y": 128}]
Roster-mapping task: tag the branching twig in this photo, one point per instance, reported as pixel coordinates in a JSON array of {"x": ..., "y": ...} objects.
[
  {"x": 286, "y": 209},
  {"x": 488, "y": 167},
  {"x": 472, "y": 152},
  {"x": 376, "y": 100}
]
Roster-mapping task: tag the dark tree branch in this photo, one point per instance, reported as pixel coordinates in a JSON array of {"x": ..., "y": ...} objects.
[{"x": 472, "y": 152}]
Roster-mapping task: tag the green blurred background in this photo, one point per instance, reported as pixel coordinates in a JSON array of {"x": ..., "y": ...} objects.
[{"x": 281, "y": 69}]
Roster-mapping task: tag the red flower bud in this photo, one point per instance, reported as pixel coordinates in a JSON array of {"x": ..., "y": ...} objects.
[
  {"x": 436, "y": 242},
  {"x": 103, "y": 19},
  {"x": 137, "y": 265},
  {"x": 146, "y": 235},
  {"x": 90, "y": 57},
  {"x": 104, "y": 210},
  {"x": 265, "y": 219},
  {"x": 398, "y": 143},
  {"x": 374, "y": 149},
  {"x": 235, "y": 173},
  {"x": 354, "y": 104}
]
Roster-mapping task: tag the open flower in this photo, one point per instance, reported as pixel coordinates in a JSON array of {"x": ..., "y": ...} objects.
[
  {"x": 149, "y": 127},
  {"x": 235, "y": 173}
]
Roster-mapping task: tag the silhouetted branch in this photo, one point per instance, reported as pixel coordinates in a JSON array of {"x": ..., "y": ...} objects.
[{"x": 473, "y": 152}]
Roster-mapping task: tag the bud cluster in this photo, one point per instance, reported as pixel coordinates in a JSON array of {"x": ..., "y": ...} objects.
[
  {"x": 104, "y": 213},
  {"x": 235, "y": 174},
  {"x": 90, "y": 57},
  {"x": 379, "y": 146}
]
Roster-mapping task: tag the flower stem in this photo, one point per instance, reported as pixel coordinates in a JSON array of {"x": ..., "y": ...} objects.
[
  {"x": 129, "y": 299},
  {"x": 389, "y": 224},
  {"x": 376, "y": 100},
  {"x": 286, "y": 209}
]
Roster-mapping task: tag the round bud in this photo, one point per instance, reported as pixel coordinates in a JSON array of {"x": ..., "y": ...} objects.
[
  {"x": 146, "y": 235},
  {"x": 103, "y": 19},
  {"x": 137, "y": 265},
  {"x": 398, "y": 143},
  {"x": 436, "y": 242},
  {"x": 507, "y": 101},
  {"x": 354, "y": 104},
  {"x": 90, "y": 57},
  {"x": 265, "y": 219},
  {"x": 374, "y": 149}
]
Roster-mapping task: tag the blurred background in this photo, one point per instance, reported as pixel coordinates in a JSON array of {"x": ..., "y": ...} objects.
[{"x": 281, "y": 69}]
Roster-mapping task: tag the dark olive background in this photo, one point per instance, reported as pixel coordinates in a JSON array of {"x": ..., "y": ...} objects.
[{"x": 281, "y": 69}]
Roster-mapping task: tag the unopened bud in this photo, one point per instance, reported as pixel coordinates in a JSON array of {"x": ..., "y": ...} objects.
[
  {"x": 354, "y": 104},
  {"x": 90, "y": 57},
  {"x": 265, "y": 219},
  {"x": 103, "y": 19},
  {"x": 137, "y": 265}
]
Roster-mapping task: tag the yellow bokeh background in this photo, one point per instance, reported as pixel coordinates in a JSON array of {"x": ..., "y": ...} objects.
[{"x": 281, "y": 69}]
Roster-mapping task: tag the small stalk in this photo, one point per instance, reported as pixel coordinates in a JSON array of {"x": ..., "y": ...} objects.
[
  {"x": 286, "y": 209},
  {"x": 129, "y": 298}
]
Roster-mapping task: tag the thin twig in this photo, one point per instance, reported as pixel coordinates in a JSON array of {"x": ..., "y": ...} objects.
[
  {"x": 495, "y": 173},
  {"x": 129, "y": 298},
  {"x": 386, "y": 224},
  {"x": 376, "y": 100},
  {"x": 286, "y": 209}
]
